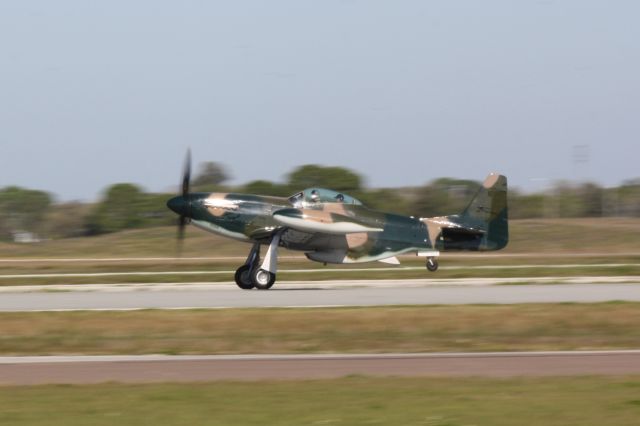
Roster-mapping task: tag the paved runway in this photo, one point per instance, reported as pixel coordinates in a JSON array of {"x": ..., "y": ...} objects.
[
  {"x": 317, "y": 294},
  {"x": 154, "y": 368}
]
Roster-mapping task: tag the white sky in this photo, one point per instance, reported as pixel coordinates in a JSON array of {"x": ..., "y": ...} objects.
[{"x": 93, "y": 93}]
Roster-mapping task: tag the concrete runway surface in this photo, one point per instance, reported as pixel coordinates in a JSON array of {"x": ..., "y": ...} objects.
[
  {"x": 159, "y": 368},
  {"x": 317, "y": 294}
]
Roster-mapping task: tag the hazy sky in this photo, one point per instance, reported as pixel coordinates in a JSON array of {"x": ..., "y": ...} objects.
[{"x": 93, "y": 93}]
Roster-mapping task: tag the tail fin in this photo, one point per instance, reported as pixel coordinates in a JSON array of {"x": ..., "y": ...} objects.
[{"x": 488, "y": 213}]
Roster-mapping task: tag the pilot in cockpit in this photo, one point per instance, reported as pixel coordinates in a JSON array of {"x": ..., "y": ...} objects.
[
  {"x": 339, "y": 198},
  {"x": 315, "y": 197}
]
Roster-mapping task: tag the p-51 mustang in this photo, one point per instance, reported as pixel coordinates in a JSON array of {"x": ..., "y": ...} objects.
[{"x": 332, "y": 227}]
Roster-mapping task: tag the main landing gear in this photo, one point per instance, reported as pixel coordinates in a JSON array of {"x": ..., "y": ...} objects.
[{"x": 256, "y": 274}]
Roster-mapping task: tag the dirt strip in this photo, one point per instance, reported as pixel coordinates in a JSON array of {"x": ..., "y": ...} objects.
[{"x": 194, "y": 369}]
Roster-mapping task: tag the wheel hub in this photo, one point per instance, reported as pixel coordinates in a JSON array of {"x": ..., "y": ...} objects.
[{"x": 262, "y": 277}]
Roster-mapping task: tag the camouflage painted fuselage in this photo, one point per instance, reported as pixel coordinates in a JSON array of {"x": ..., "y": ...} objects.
[
  {"x": 335, "y": 228},
  {"x": 251, "y": 218}
]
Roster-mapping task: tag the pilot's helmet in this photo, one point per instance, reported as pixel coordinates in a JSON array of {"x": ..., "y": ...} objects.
[
  {"x": 315, "y": 196},
  {"x": 340, "y": 198}
]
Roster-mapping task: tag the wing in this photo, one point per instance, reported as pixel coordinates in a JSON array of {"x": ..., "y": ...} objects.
[
  {"x": 319, "y": 221},
  {"x": 331, "y": 237}
]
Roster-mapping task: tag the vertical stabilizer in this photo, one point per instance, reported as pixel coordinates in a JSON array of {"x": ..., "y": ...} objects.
[{"x": 488, "y": 213}]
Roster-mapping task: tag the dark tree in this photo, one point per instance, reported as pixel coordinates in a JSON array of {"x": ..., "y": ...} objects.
[
  {"x": 336, "y": 178},
  {"x": 210, "y": 173},
  {"x": 22, "y": 210}
]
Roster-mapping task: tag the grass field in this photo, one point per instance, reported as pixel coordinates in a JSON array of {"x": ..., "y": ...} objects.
[
  {"x": 607, "y": 235},
  {"x": 355, "y": 330},
  {"x": 295, "y": 272},
  {"x": 611, "y": 245},
  {"x": 581, "y": 401}
]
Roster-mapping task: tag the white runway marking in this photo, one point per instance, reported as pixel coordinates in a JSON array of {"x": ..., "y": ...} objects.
[
  {"x": 345, "y": 270},
  {"x": 287, "y": 357},
  {"x": 131, "y": 259},
  {"x": 332, "y": 284},
  {"x": 242, "y": 258}
]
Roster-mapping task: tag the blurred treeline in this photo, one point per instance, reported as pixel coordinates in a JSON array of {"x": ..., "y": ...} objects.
[{"x": 128, "y": 206}]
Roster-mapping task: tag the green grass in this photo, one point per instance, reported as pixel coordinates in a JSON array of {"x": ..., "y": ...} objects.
[
  {"x": 544, "y": 242},
  {"x": 355, "y": 330},
  {"x": 331, "y": 274},
  {"x": 222, "y": 270},
  {"x": 581, "y": 401},
  {"x": 607, "y": 235}
]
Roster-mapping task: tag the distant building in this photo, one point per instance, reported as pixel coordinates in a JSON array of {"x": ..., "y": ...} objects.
[{"x": 25, "y": 237}]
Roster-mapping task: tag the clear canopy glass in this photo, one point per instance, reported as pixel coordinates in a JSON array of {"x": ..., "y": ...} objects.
[{"x": 321, "y": 195}]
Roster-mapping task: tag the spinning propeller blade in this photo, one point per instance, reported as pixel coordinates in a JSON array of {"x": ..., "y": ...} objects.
[
  {"x": 182, "y": 203},
  {"x": 186, "y": 175}
]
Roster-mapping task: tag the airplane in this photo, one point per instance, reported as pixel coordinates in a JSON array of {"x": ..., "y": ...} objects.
[{"x": 333, "y": 227}]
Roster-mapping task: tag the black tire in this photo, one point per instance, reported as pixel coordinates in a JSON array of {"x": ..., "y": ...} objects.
[
  {"x": 432, "y": 264},
  {"x": 243, "y": 278},
  {"x": 262, "y": 280}
]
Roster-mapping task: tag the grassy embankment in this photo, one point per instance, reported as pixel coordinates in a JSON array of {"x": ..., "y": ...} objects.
[
  {"x": 533, "y": 242},
  {"x": 355, "y": 330},
  {"x": 349, "y": 401}
]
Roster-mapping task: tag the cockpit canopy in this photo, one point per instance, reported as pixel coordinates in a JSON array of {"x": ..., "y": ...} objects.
[{"x": 312, "y": 196}]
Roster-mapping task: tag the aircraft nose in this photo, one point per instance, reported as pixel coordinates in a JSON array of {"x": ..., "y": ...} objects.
[{"x": 178, "y": 205}]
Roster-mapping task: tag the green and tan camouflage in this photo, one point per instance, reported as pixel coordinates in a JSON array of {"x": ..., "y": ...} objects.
[{"x": 333, "y": 227}]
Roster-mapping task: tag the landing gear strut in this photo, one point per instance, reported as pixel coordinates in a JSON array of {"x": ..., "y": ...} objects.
[
  {"x": 259, "y": 275},
  {"x": 432, "y": 264}
]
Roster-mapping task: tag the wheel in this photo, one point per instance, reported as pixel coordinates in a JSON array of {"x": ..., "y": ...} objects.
[
  {"x": 263, "y": 280},
  {"x": 432, "y": 264},
  {"x": 243, "y": 277}
]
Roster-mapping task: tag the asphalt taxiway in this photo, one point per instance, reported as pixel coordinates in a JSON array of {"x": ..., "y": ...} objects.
[
  {"x": 320, "y": 294},
  {"x": 162, "y": 368}
]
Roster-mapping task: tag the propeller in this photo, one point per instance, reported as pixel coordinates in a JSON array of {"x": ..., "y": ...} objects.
[
  {"x": 181, "y": 204},
  {"x": 186, "y": 174}
]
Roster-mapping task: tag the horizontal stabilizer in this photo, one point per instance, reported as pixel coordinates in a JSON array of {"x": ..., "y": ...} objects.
[{"x": 390, "y": 260}]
